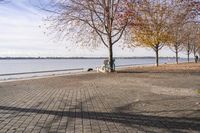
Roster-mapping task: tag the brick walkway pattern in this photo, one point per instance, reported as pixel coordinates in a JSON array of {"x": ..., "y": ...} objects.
[{"x": 96, "y": 104}]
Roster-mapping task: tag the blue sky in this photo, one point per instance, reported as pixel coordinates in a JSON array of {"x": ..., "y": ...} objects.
[{"x": 22, "y": 34}]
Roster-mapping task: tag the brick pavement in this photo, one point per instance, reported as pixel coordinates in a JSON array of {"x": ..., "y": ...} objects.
[{"x": 91, "y": 105}]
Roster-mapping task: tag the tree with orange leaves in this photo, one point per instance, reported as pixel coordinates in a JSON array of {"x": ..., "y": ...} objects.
[
  {"x": 155, "y": 22},
  {"x": 151, "y": 27}
]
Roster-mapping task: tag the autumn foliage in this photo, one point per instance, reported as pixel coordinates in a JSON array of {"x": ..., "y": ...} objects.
[
  {"x": 159, "y": 23},
  {"x": 149, "y": 23}
]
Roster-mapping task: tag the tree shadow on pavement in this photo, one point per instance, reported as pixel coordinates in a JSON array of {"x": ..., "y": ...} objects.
[{"x": 129, "y": 119}]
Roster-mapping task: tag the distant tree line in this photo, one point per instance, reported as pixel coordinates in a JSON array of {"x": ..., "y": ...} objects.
[{"x": 133, "y": 23}]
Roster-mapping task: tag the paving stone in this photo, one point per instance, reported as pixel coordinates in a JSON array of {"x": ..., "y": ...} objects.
[{"x": 58, "y": 105}]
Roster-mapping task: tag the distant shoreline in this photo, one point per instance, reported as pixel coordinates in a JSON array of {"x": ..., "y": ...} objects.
[
  {"x": 145, "y": 57},
  {"x": 148, "y": 68}
]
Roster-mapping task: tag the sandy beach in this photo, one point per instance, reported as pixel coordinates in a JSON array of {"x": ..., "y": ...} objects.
[{"x": 138, "y": 99}]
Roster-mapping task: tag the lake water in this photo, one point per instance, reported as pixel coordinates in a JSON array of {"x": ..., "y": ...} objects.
[{"x": 20, "y": 68}]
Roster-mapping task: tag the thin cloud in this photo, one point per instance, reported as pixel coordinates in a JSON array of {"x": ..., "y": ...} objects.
[{"x": 21, "y": 34}]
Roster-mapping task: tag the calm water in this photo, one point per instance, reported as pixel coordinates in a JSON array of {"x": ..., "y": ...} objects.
[{"x": 13, "y": 67}]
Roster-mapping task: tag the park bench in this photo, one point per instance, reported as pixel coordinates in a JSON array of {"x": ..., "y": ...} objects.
[{"x": 106, "y": 66}]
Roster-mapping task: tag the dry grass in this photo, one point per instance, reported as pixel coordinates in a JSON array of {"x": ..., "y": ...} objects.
[
  {"x": 172, "y": 68},
  {"x": 198, "y": 91}
]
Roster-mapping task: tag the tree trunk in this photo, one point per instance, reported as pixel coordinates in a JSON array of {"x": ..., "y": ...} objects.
[
  {"x": 176, "y": 54},
  {"x": 188, "y": 51},
  {"x": 111, "y": 59},
  {"x": 110, "y": 55},
  {"x": 194, "y": 52},
  {"x": 110, "y": 45},
  {"x": 188, "y": 55},
  {"x": 157, "y": 56},
  {"x": 177, "y": 57}
]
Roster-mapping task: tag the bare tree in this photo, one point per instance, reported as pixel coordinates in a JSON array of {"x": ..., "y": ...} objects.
[
  {"x": 188, "y": 48},
  {"x": 182, "y": 14},
  {"x": 90, "y": 22},
  {"x": 196, "y": 42},
  {"x": 177, "y": 44},
  {"x": 195, "y": 49},
  {"x": 190, "y": 38}
]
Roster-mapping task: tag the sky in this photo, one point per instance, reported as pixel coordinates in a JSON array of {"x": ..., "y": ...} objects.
[{"x": 22, "y": 34}]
